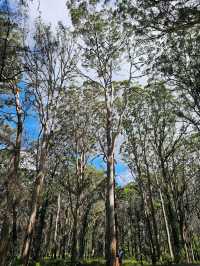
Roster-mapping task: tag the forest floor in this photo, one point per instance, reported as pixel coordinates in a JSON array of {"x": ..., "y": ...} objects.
[{"x": 60, "y": 262}]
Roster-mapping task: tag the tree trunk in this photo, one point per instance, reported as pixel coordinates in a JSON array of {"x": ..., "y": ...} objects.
[
  {"x": 172, "y": 218},
  {"x": 154, "y": 223},
  {"x": 83, "y": 232},
  {"x": 34, "y": 203},
  {"x": 56, "y": 227},
  {"x": 63, "y": 246},
  {"x": 166, "y": 222},
  {"x": 74, "y": 238},
  {"x": 49, "y": 234},
  {"x": 32, "y": 220},
  {"x": 12, "y": 188},
  {"x": 5, "y": 237},
  {"x": 14, "y": 231},
  {"x": 148, "y": 223},
  {"x": 39, "y": 233},
  {"x": 155, "y": 244},
  {"x": 139, "y": 237},
  {"x": 110, "y": 215},
  {"x": 145, "y": 208},
  {"x": 174, "y": 229},
  {"x": 116, "y": 221}
]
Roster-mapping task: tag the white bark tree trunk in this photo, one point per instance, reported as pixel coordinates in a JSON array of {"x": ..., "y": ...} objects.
[
  {"x": 35, "y": 199},
  {"x": 166, "y": 222}
]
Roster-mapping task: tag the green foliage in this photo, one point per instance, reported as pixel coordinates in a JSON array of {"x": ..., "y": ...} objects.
[
  {"x": 127, "y": 192},
  {"x": 51, "y": 262},
  {"x": 10, "y": 45},
  {"x": 94, "y": 262},
  {"x": 133, "y": 261},
  {"x": 166, "y": 259},
  {"x": 75, "y": 85}
]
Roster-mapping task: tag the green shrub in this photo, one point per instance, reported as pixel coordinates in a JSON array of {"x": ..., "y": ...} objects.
[
  {"x": 94, "y": 262},
  {"x": 51, "y": 262},
  {"x": 166, "y": 259}
]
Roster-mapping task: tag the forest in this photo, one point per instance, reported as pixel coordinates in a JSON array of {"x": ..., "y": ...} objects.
[{"x": 99, "y": 134}]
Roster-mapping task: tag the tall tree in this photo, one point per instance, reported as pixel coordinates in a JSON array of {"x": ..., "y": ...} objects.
[
  {"x": 103, "y": 42},
  {"x": 12, "y": 117},
  {"x": 49, "y": 68},
  {"x": 154, "y": 134}
]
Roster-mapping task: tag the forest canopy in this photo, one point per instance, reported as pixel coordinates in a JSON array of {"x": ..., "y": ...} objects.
[{"x": 99, "y": 134}]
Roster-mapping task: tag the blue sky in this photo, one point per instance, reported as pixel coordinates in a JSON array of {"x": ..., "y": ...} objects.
[
  {"x": 31, "y": 123},
  {"x": 52, "y": 12},
  {"x": 31, "y": 131},
  {"x": 122, "y": 172}
]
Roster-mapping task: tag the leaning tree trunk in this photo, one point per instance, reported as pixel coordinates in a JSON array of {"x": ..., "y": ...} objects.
[
  {"x": 40, "y": 228},
  {"x": 165, "y": 220},
  {"x": 9, "y": 228},
  {"x": 34, "y": 202},
  {"x": 171, "y": 214}
]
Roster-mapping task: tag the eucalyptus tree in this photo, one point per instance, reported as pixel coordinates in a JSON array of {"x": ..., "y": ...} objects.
[
  {"x": 132, "y": 231},
  {"x": 173, "y": 26},
  {"x": 168, "y": 142},
  {"x": 167, "y": 134},
  {"x": 77, "y": 134},
  {"x": 94, "y": 239},
  {"x": 12, "y": 116},
  {"x": 70, "y": 205},
  {"x": 11, "y": 45},
  {"x": 178, "y": 63},
  {"x": 136, "y": 127},
  {"x": 12, "y": 140},
  {"x": 172, "y": 31},
  {"x": 50, "y": 200},
  {"x": 105, "y": 45},
  {"x": 93, "y": 198},
  {"x": 49, "y": 65},
  {"x": 154, "y": 139},
  {"x": 158, "y": 18}
]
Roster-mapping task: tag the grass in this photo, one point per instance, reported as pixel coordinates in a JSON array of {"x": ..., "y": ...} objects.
[{"x": 100, "y": 262}]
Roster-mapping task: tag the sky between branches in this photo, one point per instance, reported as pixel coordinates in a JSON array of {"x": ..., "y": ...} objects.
[{"x": 51, "y": 12}]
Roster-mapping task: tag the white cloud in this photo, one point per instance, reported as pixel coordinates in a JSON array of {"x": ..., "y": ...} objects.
[{"x": 51, "y": 11}]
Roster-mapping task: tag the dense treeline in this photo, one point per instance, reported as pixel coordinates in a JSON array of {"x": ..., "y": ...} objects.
[{"x": 80, "y": 87}]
